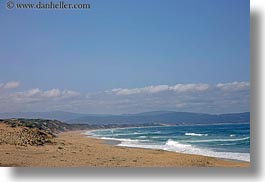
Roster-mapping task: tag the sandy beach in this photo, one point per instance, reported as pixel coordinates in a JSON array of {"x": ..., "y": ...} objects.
[{"x": 73, "y": 149}]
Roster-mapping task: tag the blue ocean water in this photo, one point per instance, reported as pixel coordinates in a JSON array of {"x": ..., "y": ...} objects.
[{"x": 230, "y": 141}]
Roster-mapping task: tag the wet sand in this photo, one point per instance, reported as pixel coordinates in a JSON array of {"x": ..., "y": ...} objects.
[{"x": 73, "y": 149}]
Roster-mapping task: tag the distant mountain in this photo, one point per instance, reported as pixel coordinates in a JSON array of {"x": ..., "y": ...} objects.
[
  {"x": 55, "y": 115},
  {"x": 165, "y": 117},
  {"x": 156, "y": 117}
]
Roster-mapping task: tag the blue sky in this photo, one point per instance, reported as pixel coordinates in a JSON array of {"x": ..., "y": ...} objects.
[{"x": 127, "y": 45}]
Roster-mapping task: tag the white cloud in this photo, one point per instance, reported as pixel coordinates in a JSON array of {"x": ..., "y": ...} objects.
[
  {"x": 161, "y": 88},
  {"x": 149, "y": 89},
  {"x": 233, "y": 86},
  {"x": 182, "y": 88},
  {"x": 70, "y": 93},
  {"x": 52, "y": 93},
  {"x": 9, "y": 85},
  {"x": 30, "y": 93},
  {"x": 155, "y": 89},
  {"x": 189, "y": 87},
  {"x": 194, "y": 97},
  {"x": 38, "y": 94}
]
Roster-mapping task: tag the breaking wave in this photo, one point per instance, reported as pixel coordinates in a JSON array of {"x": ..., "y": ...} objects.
[
  {"x": 175, "y": 146},
  {"x": 195, "y": 134}
]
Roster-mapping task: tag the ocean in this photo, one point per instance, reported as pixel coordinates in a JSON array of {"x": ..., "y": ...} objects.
[{"x": 228, "y": 141}]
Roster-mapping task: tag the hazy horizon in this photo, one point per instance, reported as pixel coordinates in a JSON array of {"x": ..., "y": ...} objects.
[{"x": 150, "y": 111}]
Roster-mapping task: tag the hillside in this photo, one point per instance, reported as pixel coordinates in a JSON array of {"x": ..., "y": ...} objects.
[
  {"x": 54, "y": 115},
  {"x": 33, "y": 131},
  {"x": 165, "y": 118},
  {"x": 23, "y": 135},
  {"x": 49, "y": 126}
]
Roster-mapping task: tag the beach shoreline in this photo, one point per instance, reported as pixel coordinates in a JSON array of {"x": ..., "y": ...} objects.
[
  {"x": 146, "y": 139},
  {"x": 116, "y": 143},
  {"x": 74, "y": 149}
]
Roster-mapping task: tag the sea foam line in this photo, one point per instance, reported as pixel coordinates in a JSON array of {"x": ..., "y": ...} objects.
[
  {"x": 174, "y": 146},
  {"x": 195, "y": 134},
  {"x": 218, "y": 140}
]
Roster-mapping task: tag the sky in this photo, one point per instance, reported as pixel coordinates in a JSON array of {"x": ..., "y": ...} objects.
[{"x": 127, "y": 57}]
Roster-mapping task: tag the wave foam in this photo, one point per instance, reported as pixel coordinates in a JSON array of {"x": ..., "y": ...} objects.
[
  {"x": 219, "y": 140},
  {"x": 195, "y": 134},
  {"x": 175, "y": 146}
]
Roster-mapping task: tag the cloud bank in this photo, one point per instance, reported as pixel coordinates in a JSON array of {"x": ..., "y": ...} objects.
[
  {"x": 161, "y": 88},
  {"x": 9, "y": 85},
  {"x": 193, "y": 97}
]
